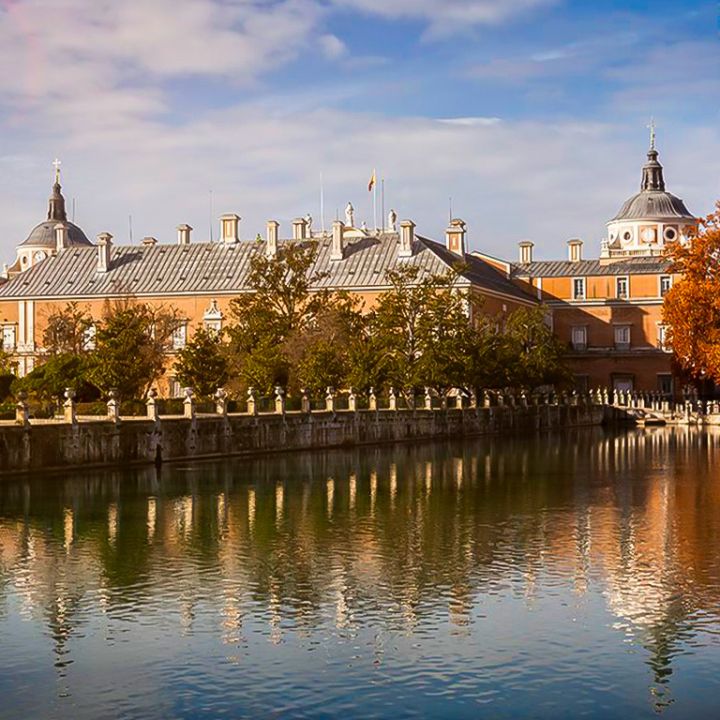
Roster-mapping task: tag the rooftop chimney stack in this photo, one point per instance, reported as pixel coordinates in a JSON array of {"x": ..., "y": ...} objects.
[
  {"x": 271, "y": 247},
  {"x": 337, "y": 249},
  {"x": 149, "y": 241},
  {"x": 526, "y": 251},
  {"x": 104, "y": 246},
  {"x": 230, "y": 224},
  {"x": 61, "y": 236},
  {"x": 300, "y": 229},
  {"x": 184, "y": 232},
  {"x": 575, "y": 250},
  {"x": 407, "y": 238},
  {"x": 455, "y": 237}
]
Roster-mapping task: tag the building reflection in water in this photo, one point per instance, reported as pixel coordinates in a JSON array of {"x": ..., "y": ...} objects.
[{"x": 398, "y": 537}]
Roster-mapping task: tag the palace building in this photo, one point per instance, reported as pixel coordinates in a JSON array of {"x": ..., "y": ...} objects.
[{"x": 607, "y": 309}]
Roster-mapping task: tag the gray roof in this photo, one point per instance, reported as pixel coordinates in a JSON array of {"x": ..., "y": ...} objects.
[
  {"x": 214, "y": 268},
  {"x": 43, "y": 235},
  {"x": 654, "y": 205},
  {"x": 587, "y": 268}
]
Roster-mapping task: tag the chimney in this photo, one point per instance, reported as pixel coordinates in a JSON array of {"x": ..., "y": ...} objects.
[
  {"x": 336, "y": 251},
  {"x": 575, "y": 250},
  {"x": 229, "y": 224},
  {"x": 149, "y": 241},
  {"x": 104, "y": 246},
  {"x": 272, "y": 238},
  {"x": 407, "y": 238},
  {"x": 61, "y": 236},
  {"x": 299, "y": 229},
  {"x": 184, "y": 232},
  {"x": 526, "y": 251},
  {"x": 455, "y": 237}
]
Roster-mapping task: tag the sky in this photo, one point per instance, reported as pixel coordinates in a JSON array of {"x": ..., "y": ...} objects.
[{"x": 531, "y": 115}]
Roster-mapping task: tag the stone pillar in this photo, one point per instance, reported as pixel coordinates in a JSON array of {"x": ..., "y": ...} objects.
[
  {"x": 443, "y": 400},
  {"x": 279, "y": 400},
  {"x": 523, "y": 399},
  {"x": 352, "y": 401},
  {"x": 473, "y": 400},
  {"x": 330, "y": 400},
  {"x": 22, "y": 412},
  {"x": 251, "y": 401},
  {"x": 428, "y": 399},
  {"x": 151, "y": 404},
  {"x": 69, "y": 407},
  {"x": 113, "y": 406},
  {"x": 221, "y": 401},
  {"x": 392, "y": 399},
  {"x": 189, "y": 403},
  {"x": 372, "y": 400},
  {"x": 486, "y": 400},
  {"x": 500, "y": 399},
  {"x": 304, "y": 401}
]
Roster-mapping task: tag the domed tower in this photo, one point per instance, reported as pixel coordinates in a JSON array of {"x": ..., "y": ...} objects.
[
  {"x": 649, "y": 219},
  {"x": 42, "y": 240}
]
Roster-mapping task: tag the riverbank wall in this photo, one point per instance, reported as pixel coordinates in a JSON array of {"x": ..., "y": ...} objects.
[{"x": 88, "y": 442}]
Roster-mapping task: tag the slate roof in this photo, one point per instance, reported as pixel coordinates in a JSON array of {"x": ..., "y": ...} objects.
[
  {"x": 214, "y": 268},
  {"x": 43, "y": 235},
  {"x": 586, "y": 268},
  {"x": 653, "y": 205}
]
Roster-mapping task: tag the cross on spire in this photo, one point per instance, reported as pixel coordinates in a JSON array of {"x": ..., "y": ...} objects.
[
  {"x": 651, "y": 127},
  {"x": 56, "y": 164}
]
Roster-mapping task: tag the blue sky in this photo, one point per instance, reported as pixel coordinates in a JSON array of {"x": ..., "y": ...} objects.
[{"x": 530, "y": 114}]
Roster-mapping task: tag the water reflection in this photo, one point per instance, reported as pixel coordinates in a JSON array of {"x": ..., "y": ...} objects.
[{"x": 545, "y": 571}]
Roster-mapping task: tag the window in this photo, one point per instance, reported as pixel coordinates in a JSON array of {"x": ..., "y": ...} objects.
[
  {"x": 174, "y": 388},
  {"x": 662, "y": 337},
  {"x": 579, "y": 337},
  {"x": 179, "y": 337},
  {"x": 665, "y": 383},
  {"x": 621, "y": 288},
  {"x": 8, "y": 337},
  {"x": 665, "y": 284},
  {"x": 578, "y": 288},
  {"x": 89, "y": 338},
  {"x": 581, "y": 383},
  {"x": 212, "y": 319},
  {"x": 622, "y": 337}
]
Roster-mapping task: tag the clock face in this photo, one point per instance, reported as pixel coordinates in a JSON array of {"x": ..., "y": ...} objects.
[
  {"x": 39, "y": 255},
  {"x": 648, "y": 235}
]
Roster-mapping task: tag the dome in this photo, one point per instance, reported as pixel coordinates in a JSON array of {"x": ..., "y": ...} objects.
[
  {"x": 43, "y": 235},
  {"x": 653, "y": 205},
  {"x": 653, "y": 202}
]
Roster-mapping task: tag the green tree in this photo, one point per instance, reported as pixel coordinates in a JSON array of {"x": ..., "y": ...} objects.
[
  {"x": 132, "y": 341},
  {"x": 68, "y": 331},
  {"x": 49, "y": 380},
  {"x": 202, "y": 364}
]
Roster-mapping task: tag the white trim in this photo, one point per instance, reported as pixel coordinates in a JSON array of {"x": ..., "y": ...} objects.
[{"x": 584, "y": 286}]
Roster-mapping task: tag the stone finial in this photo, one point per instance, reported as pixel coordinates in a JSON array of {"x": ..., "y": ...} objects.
[
  {"x": 113, "y": 406},
  {"x": 151, "y": 405},
  {"x": 372, "y": 399},
  {"x": 69, "y": 407},
  {"x": 352, "y": 400},
  {"x": 486, "y": 400},
  {"x": 304, "y": 401},
  {"x": 251, "y": 402},
  {"x": 221, "y": 401},
  {"x": 392, "y": 399},
  {"x": 279, "y": 400},
  {"x": 428, "y": 399},
  {"x": 189, "y": 403},
  {"x": 473, "y": 400},
  {"x": 330, "y": 399},
  {"x": 22, "y": 412}
]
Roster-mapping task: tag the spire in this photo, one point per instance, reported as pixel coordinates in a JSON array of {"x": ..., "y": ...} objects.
[
  {"x": 56, "y": 205},
  {"x": 652, "y": 176}
]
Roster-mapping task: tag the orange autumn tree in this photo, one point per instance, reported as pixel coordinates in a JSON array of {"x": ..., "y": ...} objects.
[{"x": 692, "y": 306}]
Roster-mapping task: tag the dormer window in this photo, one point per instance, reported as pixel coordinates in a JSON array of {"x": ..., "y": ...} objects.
[{"x": 578, "y": 288}]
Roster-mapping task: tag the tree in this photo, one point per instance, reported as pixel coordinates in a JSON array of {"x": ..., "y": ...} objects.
[
  {"x": 691, "y": 308},
  {"x": 131, "y": 344},
  {"x": 68, "y": 331},
  {"x": 58, "y": 372},
  {"x": 202, "y": 363}
]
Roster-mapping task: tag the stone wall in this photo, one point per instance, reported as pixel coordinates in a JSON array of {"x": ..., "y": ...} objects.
[{"x": 98, "y": 442}]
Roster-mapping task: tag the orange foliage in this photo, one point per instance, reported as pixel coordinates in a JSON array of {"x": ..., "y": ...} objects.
[{"x": 692, "y": 306}]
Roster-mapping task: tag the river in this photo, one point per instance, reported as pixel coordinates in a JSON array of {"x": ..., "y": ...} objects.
[{"x": 553, "y": 576}]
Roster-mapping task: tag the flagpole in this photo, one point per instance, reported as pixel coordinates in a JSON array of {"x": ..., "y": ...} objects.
[
  {"x": 382, "y": 212},
  {"x": 322, "y": 204},
  {"x": 375, "y": 200}
]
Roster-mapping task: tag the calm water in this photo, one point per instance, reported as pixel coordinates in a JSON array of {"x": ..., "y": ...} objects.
[{"x": 552, "y": 577}]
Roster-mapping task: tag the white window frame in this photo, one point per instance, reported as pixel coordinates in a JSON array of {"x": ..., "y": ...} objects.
[
  {"x": 660, "y": 285},
  {"x": 661, "y": 337},
  {"x": 213, "y": 318},
  {"x": 9, "y": 331},
  {"x": 576, "y": 344},
  {"x": 174, "y": 389},
  {"x": 619, "y": 332},
  {"x": 583, "y": 295},
  {"x": 88, "y": 342},
  {"x": 622, "y": 279},
  {"x": 179, "y": 336}
]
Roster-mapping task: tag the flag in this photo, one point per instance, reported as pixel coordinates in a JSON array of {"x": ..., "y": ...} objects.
[{"x": 372, "y": 182}]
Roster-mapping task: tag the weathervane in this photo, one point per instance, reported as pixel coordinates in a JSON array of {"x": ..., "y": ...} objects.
[
  {"x": 651, "y": 128},
  {"x": 56, "y": 165}
]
